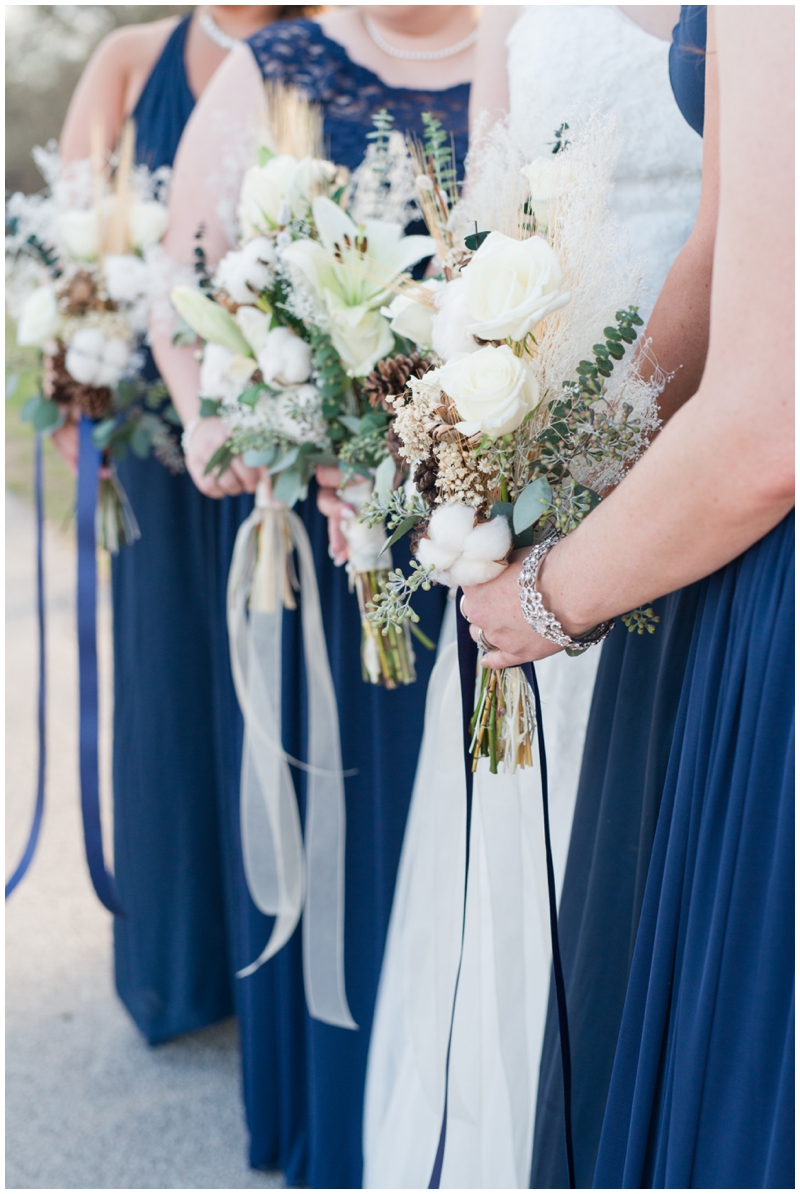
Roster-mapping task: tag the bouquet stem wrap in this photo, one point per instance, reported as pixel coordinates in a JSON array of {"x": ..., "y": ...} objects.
[
  {"x": 285, "y": 879},
  {"x": 386, "y": 659}
]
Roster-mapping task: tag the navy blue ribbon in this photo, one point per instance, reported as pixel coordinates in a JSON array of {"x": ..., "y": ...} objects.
[
  {"x": 467, "y": 663},
  {"x": 38, "y": 812},
  {"x": 88, "y": 471}
]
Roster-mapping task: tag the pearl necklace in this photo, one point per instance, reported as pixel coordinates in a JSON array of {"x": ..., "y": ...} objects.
[
  {"x": 212, "y": 30},
  {"x": 417, "y": 55}
]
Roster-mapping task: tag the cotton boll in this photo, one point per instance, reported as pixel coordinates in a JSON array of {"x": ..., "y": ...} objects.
[
  {"x": 474, "y": 572},
  {"x": 450, "y": 525},
  {"x": 448, "y": 330},
  {"x": 284, "y": 359},
  {"x": 39, "y": 319},
  {"x": 126, "y": 277},
  {"x": 433, "y": 555},
  {"x": 94, "y": 361},
  {"x": 488, "y": 541},
  {"x": 214, "y": 371},
  {"x": 245, "y": 273}
]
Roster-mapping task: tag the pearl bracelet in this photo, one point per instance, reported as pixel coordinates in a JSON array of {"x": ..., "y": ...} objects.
[
  {"x": 188, "y": 432},
  {"x": 540, "y": 619}
]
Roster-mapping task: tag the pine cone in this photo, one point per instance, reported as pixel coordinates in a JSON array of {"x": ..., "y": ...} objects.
[
  {"x": 94, "y": 401},
  {"x": 425, "y": 480},
  {"x": 81, "y": 293},
  {"x": 391, "y": 378}
]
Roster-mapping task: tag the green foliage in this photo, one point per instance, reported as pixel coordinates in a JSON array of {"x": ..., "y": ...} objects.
[
  {"x": 440, "y": 155},
  {"x": 382, "y": 123},
  {"x": 209, "y": 408},
  {"x": 394, "y": 509},
  {"x": 201, "y": 263},
  {"x": 561, "y": 142},
  {"x": 531, "y": 504},
  {"x": 42, "y": 414},
  {"x": 392, "y": 607},
  {"x": 642, "y": 619}
]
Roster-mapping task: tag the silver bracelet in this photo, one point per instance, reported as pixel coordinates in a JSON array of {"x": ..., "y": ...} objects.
[
  {"x": 540, "y": 619},
  {"x": 188, "y": 432}
]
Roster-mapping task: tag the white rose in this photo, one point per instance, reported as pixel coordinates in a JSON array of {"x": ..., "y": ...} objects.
[
  {"x": 493, "y": 390},
  {"x": 312, "y": 177},
  {"x": 285, "y": 359},
  {"x": 78, "y": 234},
  {"x": 412, "y": 319},
  {"x": 510, "y": 286},
  {"x": 95, "y": 361},
  {"x": 147, "y": 223},
  {"x": 460, "y": 552},
  {"x": 39, "y": 319},
  {"x": 360, "y": 346},
  {"x": 263, "y": 193},
  {"x": 126, "y": 277},
  {"x": 449, "y": 333},
  {"x": 243, "y": 274}
]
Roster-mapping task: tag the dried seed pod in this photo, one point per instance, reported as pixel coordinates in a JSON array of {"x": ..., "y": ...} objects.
[{"x": 425, "y": 476}]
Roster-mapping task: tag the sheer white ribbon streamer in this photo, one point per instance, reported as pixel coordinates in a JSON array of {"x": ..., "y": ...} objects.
[{"x": 282, "y": 880}]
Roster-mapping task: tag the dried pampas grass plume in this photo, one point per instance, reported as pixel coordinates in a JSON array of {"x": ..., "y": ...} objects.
[{"x": 293, "y": 123}]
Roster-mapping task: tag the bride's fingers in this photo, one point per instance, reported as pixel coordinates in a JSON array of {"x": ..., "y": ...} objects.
[
  {"x": 498, "y": 659},
  {"x": 332, "y": 506},
  {"x": 246, "y": 476},
  {"x": 337, "y": 542},
  {"x": 328, "y": 476}
]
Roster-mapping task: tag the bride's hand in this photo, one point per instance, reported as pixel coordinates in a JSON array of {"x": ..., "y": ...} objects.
[
  {"x": 207, "y": 436},
  {"x": 329, "y": 503},
  {"x": 495, "y": 609}
]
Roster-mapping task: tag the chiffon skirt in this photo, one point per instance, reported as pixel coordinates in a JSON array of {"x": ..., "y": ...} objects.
[
  {"x": 701, "y": 1093},
  {"x": 628, "y": 743},
  {"x": 171, "y": 956}
]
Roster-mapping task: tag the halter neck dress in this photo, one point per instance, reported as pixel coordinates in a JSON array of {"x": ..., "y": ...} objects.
[
  {"x": 702, "y": 1090},
  {"x": 321, "y": 1069},
  {"x": 170, "y": 950},
  {"x": 628, "y": 742}
]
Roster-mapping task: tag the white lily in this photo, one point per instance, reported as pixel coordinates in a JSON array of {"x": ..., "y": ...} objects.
[{"x": 351, "y": 268}]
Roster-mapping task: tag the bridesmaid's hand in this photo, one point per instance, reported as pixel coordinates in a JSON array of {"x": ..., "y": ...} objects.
[
  {"x": 207, "y": 437},
  {"x": 329, "y": 503},
  {"x": 495, "y": 609}
]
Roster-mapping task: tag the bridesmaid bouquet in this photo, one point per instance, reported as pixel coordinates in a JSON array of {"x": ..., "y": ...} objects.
[
  {"x": 297, "y": 343},
  {"x": 530, "y": 408},
  {"x": 79, "y": 268}
]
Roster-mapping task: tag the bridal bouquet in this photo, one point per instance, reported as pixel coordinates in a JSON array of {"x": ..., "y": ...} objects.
[
  {"x": 297, "y": 342},
  {"x": 79, "y": 265},
  {"x": 530, "y": 408}
]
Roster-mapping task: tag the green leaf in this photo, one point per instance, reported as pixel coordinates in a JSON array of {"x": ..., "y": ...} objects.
[
  {"x": 352, "y": 423},
  {"x": 141, "y": 442},
  {"x": 182, "y": 334},
  {"x": 220, "y": 460},
  {"x": 531, "y": 504},
  {"x": 373, "y": 420},
  {"x": 288, "y": 487},
  {"x": 286, "y": 461},
  {"x": 30, "y": 407},
  {"x": 47, "y": 417},
  {"x": 102, "y": 432},
  {"x": 259, "y": 458},
  {"x": 404, "y": 527},
  {"x": 264, "y": 155},
  {"x": 475, "y": 239},
  {"x": 250, "y": 396},
  {"x": 611, "y": 334},
  {"x": 502, "y": 510},
  {"x": 209, "y": 408}
]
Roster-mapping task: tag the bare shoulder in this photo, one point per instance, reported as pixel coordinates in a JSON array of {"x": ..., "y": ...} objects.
[{"x": 134, "y": 48}]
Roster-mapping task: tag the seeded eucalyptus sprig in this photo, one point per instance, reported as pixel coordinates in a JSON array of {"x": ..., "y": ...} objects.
[
  {"x": 641, "y": 619},
  {"x": 393, "y": 606}
]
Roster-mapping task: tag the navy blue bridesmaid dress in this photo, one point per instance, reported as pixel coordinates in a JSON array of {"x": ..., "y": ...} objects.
[
  {"x": 171, "y": 954},
  {"x": 307, "y": 1078},
  {"x": 702, "y": 1091},
  {"x": 627, "y": 750}
]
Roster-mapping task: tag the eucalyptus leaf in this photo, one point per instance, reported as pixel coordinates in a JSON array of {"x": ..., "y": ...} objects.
[
  {"x": 182, "y": 334},
  {"x": 30, "y": 406},
  {"x": 102, "y": 432},
  {"x": 251, "y": 395},
  {"x": 258, "y": 458},
  {"x": 286, "y": 461},
  {"x": 47, "y": 417},
  {"x": 209, "y": 408},
  {"x": 141, "y": 442},
  {"x": 352, "y": 423},
  {"x": 401, "y": 530},
  {"x": 531, "y": 504},
  {"x": 288, "y": 487},
  {"x": 264, "y": 155},
  {"x": 502, "y": 510}
]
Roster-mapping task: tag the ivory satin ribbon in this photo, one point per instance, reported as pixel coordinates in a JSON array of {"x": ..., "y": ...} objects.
[{"x": 284, "y": 878}]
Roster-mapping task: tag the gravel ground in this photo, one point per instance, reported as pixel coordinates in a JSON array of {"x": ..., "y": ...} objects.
[{"x": 88, "y": 1104}]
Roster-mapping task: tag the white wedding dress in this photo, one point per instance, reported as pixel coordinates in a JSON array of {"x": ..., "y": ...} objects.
[{"x": 564, "y": 62}]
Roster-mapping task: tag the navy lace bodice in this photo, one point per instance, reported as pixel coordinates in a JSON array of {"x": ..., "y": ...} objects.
[{"x": 298, "y": 53}]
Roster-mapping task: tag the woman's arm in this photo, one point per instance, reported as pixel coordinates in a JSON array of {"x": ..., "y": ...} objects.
[
  {"x": 218, "y": 144},
  {"x": 110, "y": 86},
  {"x": 720, "y": 476}
]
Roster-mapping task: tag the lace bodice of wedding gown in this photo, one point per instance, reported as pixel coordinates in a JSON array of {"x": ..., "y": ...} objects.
[{"x": 567, "y": 60}]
